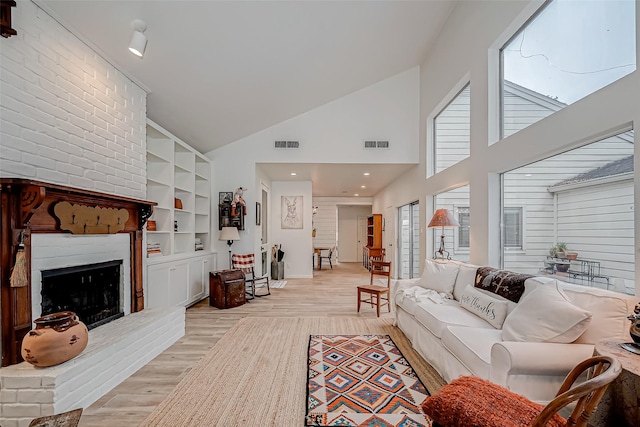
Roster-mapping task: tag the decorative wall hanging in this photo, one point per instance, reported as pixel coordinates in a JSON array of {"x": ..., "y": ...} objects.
[
  {"x": 291, "y": 212},
  {"x": 80, "y": 219}
]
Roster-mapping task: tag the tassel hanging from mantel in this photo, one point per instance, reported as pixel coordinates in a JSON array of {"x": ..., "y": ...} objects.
[{"x": 18, "y": 277}]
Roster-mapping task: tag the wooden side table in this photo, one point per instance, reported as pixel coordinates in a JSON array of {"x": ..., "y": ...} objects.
[{"x": 620, "y": 405}]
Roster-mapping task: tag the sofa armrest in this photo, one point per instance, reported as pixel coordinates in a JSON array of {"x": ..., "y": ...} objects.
[{"x": 535, "y": 358}]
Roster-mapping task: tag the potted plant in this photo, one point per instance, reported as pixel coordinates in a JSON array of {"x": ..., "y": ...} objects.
[{"x": 558, "y": 250}]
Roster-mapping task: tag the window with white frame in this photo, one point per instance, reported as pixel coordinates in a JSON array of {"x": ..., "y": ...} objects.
[
  {"x": 584, "y": 198},
  {"x": 512, "y": 223},
  {"x": 463, "y": 229},
  {"x": 567, "y": 51},
  {"x": 452, "y": 131},
  {"x": 456, "y": 201}
]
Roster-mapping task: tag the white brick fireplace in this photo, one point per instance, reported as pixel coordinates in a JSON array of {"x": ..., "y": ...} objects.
[{"x": 115, "y": 350}]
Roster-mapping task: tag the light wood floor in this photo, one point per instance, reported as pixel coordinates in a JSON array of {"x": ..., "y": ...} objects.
[{"x": 329, "y": 293}]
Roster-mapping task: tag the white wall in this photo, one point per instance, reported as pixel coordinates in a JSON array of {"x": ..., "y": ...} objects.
[
  {"x": 349, "y": 249},
  {"x": 67, "y": 116},
  {"x": 296, "y": 243},
  {"x": 387, "y": 110},
  {"x": 468, "y": 46}
]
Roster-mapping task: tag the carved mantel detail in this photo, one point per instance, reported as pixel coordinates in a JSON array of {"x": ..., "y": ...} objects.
[{"x": 30, "y": 206}]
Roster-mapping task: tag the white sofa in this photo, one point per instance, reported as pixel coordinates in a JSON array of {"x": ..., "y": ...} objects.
[{"x": 460, "y": 341}]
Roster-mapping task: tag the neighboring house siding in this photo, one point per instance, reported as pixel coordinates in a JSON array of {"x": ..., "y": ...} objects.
[
  {"x": 452, "y": 130},
  {"x": 598, "y": 221},
  {"x": 532, "y": 194}
]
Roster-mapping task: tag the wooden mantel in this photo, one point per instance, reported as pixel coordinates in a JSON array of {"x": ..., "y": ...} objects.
[{"x": 27, "y": 208}]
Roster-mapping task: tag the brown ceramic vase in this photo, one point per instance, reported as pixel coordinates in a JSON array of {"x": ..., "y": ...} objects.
[{"x": 58, "y": 337}]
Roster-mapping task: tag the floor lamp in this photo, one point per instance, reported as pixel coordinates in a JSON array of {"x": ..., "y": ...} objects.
[
  {"x": 442, "y": 218},
  {"x": 229, "y": 234}
]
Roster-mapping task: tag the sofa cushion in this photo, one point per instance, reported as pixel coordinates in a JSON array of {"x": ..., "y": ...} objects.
[
  {"x": 546, "y": 315},
  {"x": 436, "y": 317},
  {"x": 484, "y": 306},
  {"x": 466, "y": 276},
  {"x": 472, "y": 346},
  {"x": 439, "y": 276},
  {"x": 609, "y": 310}
]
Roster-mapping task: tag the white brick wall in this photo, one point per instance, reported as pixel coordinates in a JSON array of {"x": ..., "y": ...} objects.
[{"x": 66, "y": 115}]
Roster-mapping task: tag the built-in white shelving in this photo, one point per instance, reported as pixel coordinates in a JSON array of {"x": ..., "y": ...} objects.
[{"x": 177, "y": 171}]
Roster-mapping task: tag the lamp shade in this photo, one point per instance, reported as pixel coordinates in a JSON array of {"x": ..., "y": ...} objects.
[
  {"x": 443, "y": 218},
  {"x": 229, "y": 234}
]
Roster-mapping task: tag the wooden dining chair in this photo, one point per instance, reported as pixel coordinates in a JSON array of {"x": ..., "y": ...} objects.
[
  {"x": 381, "y": 293},
  {"x": 473, "y": 401},
  {"x": 328, "y": 257}
]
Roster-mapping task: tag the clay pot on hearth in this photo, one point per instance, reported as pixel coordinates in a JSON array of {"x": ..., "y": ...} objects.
[{"x": 58, "y": 337}]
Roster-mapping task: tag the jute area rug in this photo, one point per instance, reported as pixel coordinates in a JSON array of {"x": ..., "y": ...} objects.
[{"x": 256, "y": 375}]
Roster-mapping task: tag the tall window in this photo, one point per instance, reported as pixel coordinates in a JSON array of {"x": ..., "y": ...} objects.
[
  {"x": 567, "y": 51},
  {"x": 452, "y": 131},
  {"x": 456, "y": 239},
  {"x": 583, "y": 198},
  {"x": 409, "y": 242}
]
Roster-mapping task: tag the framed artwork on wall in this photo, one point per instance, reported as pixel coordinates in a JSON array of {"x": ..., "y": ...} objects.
[
  {"x": 225, "y": 197},
  {"x": 291, "y": 212}
]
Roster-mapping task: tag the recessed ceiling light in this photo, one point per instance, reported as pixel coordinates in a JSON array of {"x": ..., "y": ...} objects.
[
  {"x": 367, "y": 174},
  {"x": 356, "y": 194},
  {"x": 293, "y": 174},
  {"x": 363, "y": 186},
  {"x": 527, "y": 174}
]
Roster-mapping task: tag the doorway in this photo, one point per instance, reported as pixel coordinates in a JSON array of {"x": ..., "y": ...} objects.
[{"x": 350, "y": 240}]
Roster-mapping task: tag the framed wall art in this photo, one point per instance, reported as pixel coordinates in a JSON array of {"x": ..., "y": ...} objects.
[{"x": 291, "y": 212}]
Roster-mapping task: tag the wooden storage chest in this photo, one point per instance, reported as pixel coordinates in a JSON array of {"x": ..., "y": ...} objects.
[{"x": 226, "y": 288}]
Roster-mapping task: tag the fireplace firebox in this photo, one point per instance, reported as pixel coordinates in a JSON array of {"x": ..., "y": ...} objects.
[{"x": 92, "y": 291}]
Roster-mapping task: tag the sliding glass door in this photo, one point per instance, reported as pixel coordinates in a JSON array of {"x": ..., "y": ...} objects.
[{"x": 409, "y": 241}]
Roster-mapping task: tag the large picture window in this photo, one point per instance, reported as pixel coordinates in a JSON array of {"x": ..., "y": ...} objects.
[
  {"x": 583, "y": 198},
  {"x": 452, "y": 131},
  {"x": 569, "y": 50}
]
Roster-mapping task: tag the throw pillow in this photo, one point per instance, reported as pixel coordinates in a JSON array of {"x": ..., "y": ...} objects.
[
  {"x": 471, "y": 401},
  {"x": 439, "y": 276},
  {"x": 545, "y": 315},
  {"x": 484, "y": 306}
]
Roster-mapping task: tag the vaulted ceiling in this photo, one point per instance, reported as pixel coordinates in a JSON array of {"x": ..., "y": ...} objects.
[{"x": 218, "y": 71}]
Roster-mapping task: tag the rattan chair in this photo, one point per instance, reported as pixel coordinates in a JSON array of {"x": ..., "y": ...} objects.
[
  {"x": 381, "y": 293},
  {"x": 246, "y": 263},
  {"x": 472, "y": 401}
]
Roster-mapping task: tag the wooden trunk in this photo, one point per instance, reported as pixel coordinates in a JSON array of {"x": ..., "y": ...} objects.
[{"x": 226, "y": 288}]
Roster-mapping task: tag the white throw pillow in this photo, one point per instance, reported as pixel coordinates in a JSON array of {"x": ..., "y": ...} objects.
[
  {"x": 485, "y": 307},
  {"x": 439, "y": 276},
  {"x": 545, "y": 315}
]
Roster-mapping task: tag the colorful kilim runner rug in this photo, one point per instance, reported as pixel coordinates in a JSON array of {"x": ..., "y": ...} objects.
[{"x": 362, "y": 380}]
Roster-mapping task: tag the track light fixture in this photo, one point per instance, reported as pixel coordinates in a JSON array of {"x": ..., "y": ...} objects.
[{"x": 138, "y": 40}]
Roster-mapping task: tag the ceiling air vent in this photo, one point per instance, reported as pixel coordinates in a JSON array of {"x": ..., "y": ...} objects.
[
  {"x": 370, "y": 145},
  {"x": 286, "y": 144}
]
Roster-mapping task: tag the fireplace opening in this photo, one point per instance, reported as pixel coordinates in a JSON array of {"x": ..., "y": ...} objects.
[{"x": 92, "y": 291}]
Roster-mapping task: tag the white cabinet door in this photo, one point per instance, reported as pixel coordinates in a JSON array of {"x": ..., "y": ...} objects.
[
  {"x": 178, "y": 283},
  {"x": 196, "y": 279},
  {"x": 157, "y": 286},
  {"x": 199, "y": 269}
]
